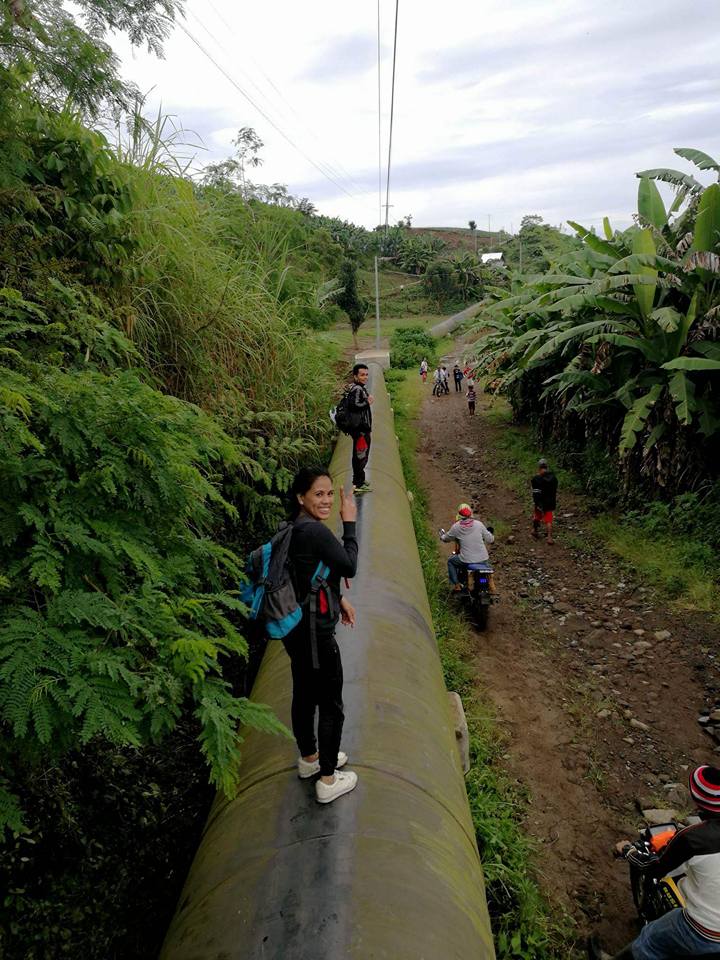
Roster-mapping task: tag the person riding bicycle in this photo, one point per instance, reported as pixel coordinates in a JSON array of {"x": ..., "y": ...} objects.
[
  {"x": 471, "y": 536},
  {"x": 692, "y": 931}
]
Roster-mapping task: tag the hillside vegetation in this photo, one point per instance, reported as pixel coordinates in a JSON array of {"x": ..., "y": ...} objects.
[
  {"x": 160, "y": 381},
  {"x": 615, "y": 347}
]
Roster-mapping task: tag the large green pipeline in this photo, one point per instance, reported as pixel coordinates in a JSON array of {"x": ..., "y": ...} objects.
[{"x": 390, "y": 871}]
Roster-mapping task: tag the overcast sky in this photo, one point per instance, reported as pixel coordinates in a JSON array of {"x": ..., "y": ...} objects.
[{"x": 502, "y": 107}]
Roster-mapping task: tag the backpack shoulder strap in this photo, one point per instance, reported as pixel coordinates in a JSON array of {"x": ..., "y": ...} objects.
[{"x": 318, "y": 581}]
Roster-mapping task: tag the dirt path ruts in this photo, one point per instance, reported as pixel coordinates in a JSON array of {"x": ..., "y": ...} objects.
[{"x": 567, "y": 670}]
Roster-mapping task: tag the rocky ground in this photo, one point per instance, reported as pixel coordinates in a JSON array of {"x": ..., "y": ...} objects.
[{"x": 597, "y": 680}]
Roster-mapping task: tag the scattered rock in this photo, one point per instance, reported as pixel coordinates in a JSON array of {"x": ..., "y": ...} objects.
[
  {"x": 639, "y": 725},
  {"x": 602, "y": 714},
  {"x": 641, "y": 646},
  {"x": 560, "y": 606},
  {"x": 639, "y": 632},
  {"x": 596, "y": 639},
  {"x": 662, "y": 635},
  {"x": 657, "y": 816}
]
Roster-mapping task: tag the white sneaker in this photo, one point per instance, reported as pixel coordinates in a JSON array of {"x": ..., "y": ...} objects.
[
  {"x": 343, "y": 783},
  {"x": 307, "y": 769}
]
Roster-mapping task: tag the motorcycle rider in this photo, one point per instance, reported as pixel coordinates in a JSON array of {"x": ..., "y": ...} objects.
[
  {"x": 471, "y": 536},
  {"x": 692, "y": 931}
]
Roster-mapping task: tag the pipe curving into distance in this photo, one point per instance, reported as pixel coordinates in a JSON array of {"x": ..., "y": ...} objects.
[{"x": 390, "y": 871}]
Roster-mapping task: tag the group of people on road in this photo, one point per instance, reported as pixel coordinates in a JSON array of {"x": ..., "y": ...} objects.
[{"x": 441, "y": 381}]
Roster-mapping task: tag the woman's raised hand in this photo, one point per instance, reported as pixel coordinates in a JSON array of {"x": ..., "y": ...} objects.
[
  {"x": 347, "y": 612},
  {"x": 348, "y": 507}
]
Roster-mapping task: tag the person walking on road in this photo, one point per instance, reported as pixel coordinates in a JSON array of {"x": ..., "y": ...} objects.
[
  {"x": 544, "y": 493},
  {"x": 423, "y": 369},
  {"x": 314, "y": 654},
  {"x": 360, "y": 414},
  {"x": 437, "y": 382},
  {"x": 445, "y": 378},
  {"x": 458, "y": 378},
  {"x": 471, "y": 398}
]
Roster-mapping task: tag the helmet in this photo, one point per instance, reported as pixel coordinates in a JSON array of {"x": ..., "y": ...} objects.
[
  {"x": 464, "y": 511},
  {"x": 705, "y": 788}
]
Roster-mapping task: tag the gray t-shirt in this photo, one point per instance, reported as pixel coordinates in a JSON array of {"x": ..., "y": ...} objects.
[{"x": 472, "y": 535}]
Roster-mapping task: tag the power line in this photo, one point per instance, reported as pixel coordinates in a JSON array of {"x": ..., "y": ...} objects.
[
  {"x": 392, "y": 114},
  {"x": 379, "y": 119},
  {"x": 263, "y": 114},
  {"x": 283, "y": 106}
]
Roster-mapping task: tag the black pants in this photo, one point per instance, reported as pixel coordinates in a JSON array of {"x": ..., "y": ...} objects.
[
  {"x": 360, "y": 455},
  {"x": 316, "y": 690},
  {"x": 458, "y": 386}
]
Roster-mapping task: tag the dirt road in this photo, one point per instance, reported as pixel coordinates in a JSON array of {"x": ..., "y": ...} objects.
[{"x": 597, "y": 684}]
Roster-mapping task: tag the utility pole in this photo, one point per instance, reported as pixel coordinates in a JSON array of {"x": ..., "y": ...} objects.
[{"x": 387, "y": 214}]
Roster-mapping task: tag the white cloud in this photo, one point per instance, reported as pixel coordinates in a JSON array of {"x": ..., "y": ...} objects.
[{"x": 500, "y": 108}]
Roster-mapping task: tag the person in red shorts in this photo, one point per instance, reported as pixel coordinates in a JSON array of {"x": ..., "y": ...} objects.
[{"x": 544, "y": 493}]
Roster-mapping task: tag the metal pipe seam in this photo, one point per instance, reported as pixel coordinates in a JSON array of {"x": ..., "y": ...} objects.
[{"x": 390, "y": 871}]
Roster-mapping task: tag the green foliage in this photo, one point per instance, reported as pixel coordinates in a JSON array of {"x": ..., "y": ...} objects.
[
  {"x": 348, "y": 297},
  {"x": 408, "y": 346},
  {"x": 536, "y": 246},
  {"x": 116, "y": 608},
  {"x": 42, "y": 41},
  {"x": 617, "y": 340}
]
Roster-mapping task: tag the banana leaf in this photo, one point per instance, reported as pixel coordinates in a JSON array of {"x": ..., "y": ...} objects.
[
  {"x": 643, "y": 243},
  {"x": 707, "y": 225},
  {"x": 675, "y": 178},
  {"x": 682, "y": 390},
  {"x": 650, "y": 204},
  {"x": 594, "y": 242},
  {"x": 692, "y": 364},
  {"x": 701, "y": 160},
  {"x": 636, "y": 417}
]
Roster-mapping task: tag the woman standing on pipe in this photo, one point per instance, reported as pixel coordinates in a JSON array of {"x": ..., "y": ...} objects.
[{"x": 312, "y": 648}]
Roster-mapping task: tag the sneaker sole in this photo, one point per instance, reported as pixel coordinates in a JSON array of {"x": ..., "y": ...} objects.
[{"x": 337, "y": 795}]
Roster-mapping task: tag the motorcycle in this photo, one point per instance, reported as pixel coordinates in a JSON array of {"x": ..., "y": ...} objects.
[
  {"x": 476, "y": 596},
  {"x": 652, "y": 897}
]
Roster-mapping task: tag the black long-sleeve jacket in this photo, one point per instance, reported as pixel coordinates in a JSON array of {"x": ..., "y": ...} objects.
[{"x": 359, "y": 407}]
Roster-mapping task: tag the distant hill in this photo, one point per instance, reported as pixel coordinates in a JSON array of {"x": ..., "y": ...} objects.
[{"x": 462, "y": 238}]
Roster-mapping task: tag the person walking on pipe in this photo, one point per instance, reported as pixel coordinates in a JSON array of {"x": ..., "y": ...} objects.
[
  {"x": 318, "y": 687},
  {"x": 360, "y": 414}
]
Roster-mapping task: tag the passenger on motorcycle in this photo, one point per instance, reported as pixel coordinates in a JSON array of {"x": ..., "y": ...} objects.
[
  {"x": 471, "y": 536},
  {"x": 695, "y": 930}
]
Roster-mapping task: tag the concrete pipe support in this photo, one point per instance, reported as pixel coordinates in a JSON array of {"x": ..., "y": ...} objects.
[{"x": 390, "y": 871}]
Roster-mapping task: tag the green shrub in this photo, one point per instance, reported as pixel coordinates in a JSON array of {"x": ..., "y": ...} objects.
[
  {"x": 408, "y": 346},
  {"x": 116, "y": 599}
]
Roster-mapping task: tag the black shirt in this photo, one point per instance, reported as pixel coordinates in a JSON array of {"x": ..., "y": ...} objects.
[
  {"x": 312, "y": 543},
  {"x": 544, "y": 490}
]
